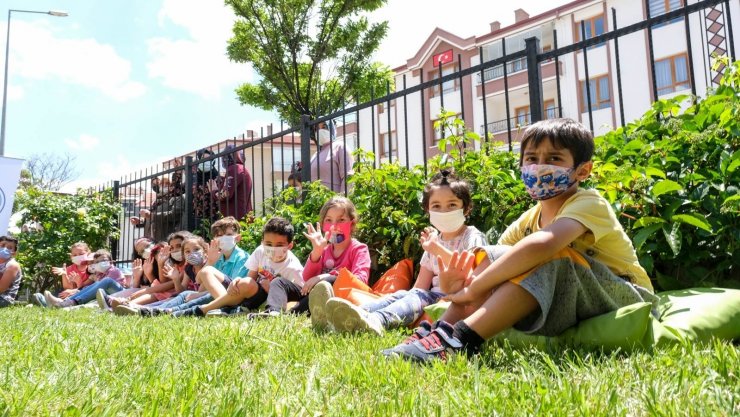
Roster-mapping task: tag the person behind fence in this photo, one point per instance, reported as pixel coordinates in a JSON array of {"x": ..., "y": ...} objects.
[
  {"x": 234, "y": 196},
  {"x": 167, "y": 213},
  {"x": 568, "y": 258},
  {"x": 72, "y": 276},
  {"x": 10, "y": 271},
  {"x": 204, "y": 206},
  {"x": 332, "y": 163},
  {"x": 333, "y": 248},
  {"x": 107, "y": 278},
  {"x": 448, "y": 201}
]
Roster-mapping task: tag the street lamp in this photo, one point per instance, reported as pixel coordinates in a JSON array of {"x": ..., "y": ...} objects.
[{"x": 5, "y": 80}]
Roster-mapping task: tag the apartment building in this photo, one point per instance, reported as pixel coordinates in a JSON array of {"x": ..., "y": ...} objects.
[{"x": 498, "y": 101}]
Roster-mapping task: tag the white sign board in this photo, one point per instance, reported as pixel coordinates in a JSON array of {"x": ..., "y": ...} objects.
[{"x": 10, "y": 174}]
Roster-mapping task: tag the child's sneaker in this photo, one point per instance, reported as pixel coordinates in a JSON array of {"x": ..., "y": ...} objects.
[
  {"x": 347, "y": 317},
  {"x": 38, "y": 300},
  {"x": 438, "y": 344},
  {"x": 51, "y": 300},
  {"x": 194, "y": 311},
  {"x": 125, "y": 310},
  {"x": 419, "y": 333},
  {"x": 217, "y": 313},
  {"x": 102, "y": 298},
  {"x": 263, "y": 315},
  {"x": 317, "y": 298}
]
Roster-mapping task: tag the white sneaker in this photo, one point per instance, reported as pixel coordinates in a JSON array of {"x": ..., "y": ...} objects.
[
  {"x": 100, "y": 296},
  {"x": 52, "y": 301},
  {"x": 347, "y": 317},
  {"x": 317, "y": 298}
]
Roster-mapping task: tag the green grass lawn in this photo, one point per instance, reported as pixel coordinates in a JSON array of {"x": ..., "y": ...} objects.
[{"x": 83, "y": 362}]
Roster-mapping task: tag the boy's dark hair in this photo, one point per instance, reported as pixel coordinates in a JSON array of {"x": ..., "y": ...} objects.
[
  {"x": 279, "y": 226},
  {"x": 100, "y": 253},
  {"x": 12, "y": 240},
  {"x": 564, "y": 134},
  {"x": 447, "y": 178},
  {"x": 182, "y": 235},
  {"x": 221, "y": 226}
]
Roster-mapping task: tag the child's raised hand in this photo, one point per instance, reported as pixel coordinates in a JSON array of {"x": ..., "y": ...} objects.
[
  {"x": 59, "y": 271},
  {"x": 148, "y": 268},
  {"x": 214, "y": 252},
  {"x": 429, "y": 238},
  {"x": 456, "y": 279},
  {"x": 318, "y": 241},
  {"x": 75, "y": 277},
  {"x": 163, "y": 254}
]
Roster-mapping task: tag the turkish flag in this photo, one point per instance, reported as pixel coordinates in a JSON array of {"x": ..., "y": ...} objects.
[{"x": 442, "y": 58}]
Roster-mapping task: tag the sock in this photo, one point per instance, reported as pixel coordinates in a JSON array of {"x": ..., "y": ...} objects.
[
  {"x": 469, "y": 338},
  {"x": 68, "y": 303},
  {"x": 198, "y": 312}
]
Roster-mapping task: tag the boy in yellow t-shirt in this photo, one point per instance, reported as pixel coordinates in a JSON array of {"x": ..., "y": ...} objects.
[{"x": 564, "y": 260}]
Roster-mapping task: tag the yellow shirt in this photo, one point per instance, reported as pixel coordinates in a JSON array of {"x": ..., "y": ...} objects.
[{"x": 605, "y": 240}]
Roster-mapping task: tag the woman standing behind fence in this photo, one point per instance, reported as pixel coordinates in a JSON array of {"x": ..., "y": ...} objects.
[
  {"x": 235, "y": 195},
  {"x": 332, "y": 163},
  {"x": 204, "y": 206}
]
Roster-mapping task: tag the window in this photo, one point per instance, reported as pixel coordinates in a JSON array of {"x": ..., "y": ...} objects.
[
  {"x": 594, "y": 27},
  {"x": 551, "y": 111},
  {"x": 522, "y": 117},
  {"x": 672, "y": 74},
  {"x": 384, "y": 144},
  {"x": 447, "y": 86},
  {"x": 659, "y": 7},
  {"x": 600, "y": 94},
  {"x": 438, "y": 130}
]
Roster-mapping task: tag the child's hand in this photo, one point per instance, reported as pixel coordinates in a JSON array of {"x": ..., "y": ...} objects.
[
  {"x": 193, "y": 296},
  {"x": 453, "y": 278},
  {"x": 214, "y": 252},
  {"x": 59, "y": 271},
  {"x": 458, "y": 278},
  {"x": 308, "y": 285},
  {"x": 163, "y": 254},
  {"x": 172, "y": 273},
  {"x": 429, "y": 239},
  {"x": 135, "y": 221},
  {"x": 145, "y": 213},
  {"x": 76, "y": 278},
  {"x": 318, "y": 241},
  {"x": 212, "y": 185},
  {"x": 233, "y": 287},
  {"x": 148, "y": 268}
]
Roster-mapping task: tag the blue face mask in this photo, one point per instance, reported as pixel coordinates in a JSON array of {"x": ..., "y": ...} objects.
[{"x": 5, "y": 253}]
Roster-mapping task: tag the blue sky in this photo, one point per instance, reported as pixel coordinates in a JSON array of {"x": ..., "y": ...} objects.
[{"x": 124, "y": 84}]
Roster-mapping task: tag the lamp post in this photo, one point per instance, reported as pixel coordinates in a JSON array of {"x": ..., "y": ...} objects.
[{"x": 5, "y": 79}]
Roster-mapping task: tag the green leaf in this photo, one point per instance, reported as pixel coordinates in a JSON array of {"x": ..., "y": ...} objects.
[
  {"x": 643, "y": 235},
  {"x": 654, "y": 172},
  {"x": 694, "y": 220},
  {"x": 665, "y": 186},
  {"x": 673, "y": 237},
  {"x": 647, "y": 220}
]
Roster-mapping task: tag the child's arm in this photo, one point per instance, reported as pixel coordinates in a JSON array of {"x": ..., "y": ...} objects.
[
  {"x": 424, "y": 279},
  {"x": 9, "y": 275},
  {"x": 526, "y": 254},
  {"x": 234, "y": 288},
  {"x": 430, "y": 243},
  {"x": 136, "y": 273},
  {"x": 319, "y": 243},
  {"x": 360, "y": 263},
  {"x": 167, "y": 286}
]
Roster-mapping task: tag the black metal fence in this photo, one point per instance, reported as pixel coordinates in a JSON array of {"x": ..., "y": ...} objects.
[{"x": 234, "y": 177}]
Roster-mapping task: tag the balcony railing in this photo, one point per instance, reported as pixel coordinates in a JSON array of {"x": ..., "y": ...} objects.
[
  {"x": 498, "y": 71},
  {"x": 518, "y": 121}
]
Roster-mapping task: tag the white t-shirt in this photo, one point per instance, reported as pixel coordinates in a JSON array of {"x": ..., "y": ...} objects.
[
  {"x": 290, "y": 269},
  {"x": 469, "y": 239}
]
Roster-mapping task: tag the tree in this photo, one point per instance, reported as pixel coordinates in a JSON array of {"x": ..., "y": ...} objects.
[
  {"x": 311, "y": 56},
  {"x": 49, "y": 172}
]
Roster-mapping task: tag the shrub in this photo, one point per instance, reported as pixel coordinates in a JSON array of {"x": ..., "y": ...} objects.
[{"x": 64, "y": 219}]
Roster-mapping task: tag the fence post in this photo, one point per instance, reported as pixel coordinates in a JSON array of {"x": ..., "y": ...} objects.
[
  {"x": 305, "y": 148},
  {"x": 188, "y": 175},
  {"x": 114, "y": 243},
  {"x": 534, "y": 79}
]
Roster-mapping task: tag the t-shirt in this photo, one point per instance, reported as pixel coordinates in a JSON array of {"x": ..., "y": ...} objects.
[
  {"x": 12, "y": 291},
  {"x": 290, "y": 269},
  {"x": 235, "y": 266},
  {"x": 469, "y": 239},
  {"x": 80, "y": 270},
  {"x": 356, "y": 258},
  {"x": 605, "y": 240},
  {"x": 113, "y": 273}
]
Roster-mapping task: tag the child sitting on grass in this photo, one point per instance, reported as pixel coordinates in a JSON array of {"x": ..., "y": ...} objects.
[
  {"x": 448, "y": 201},
  {"x": 569, "y": 258},
  {"x": 107, "y": 278},
  {"x": 10, "y": 271},
  {"x": 272, "y": 267},
  {"x": 73, "y": 276},
  {"x": 332, "y": 250}
]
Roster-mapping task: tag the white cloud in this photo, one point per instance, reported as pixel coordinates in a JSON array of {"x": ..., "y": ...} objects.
[
  {"x": 198, "y": 64},
  {"x": 37, "y": 53},
  {"x": 83, "y": 143},
  {"x": 15, "y": 92}
]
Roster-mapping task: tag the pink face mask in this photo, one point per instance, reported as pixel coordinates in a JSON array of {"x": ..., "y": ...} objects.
[{"x": 339, "y": 231}]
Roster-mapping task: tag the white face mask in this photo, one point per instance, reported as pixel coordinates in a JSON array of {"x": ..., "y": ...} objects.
[
  {"x": 447, "y": 222},
  {"x": 101, "y": 266},
  {"x": 226, "y": 243},
  {"x": 275, "y": 253},
  {"x": 79, "y": 259},
  {"x": 177, "y": 256},
  {"x": 324, "y": 137},
  {"x": 147, "y": 252}
]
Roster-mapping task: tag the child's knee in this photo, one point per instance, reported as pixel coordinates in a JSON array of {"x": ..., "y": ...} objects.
[{"x": 247, "y": 286}]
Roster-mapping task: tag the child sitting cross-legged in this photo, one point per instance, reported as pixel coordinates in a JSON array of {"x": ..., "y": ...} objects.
[
  {"x": 448, "y": 201},
  {"x": 107, "y": 278},
  {"x": 10, "y": 271},
  {"x": 272, "y": 269},
  {"x": 569, "y": 258}
]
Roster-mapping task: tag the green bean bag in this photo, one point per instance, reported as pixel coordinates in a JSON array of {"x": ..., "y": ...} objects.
[{"x": 696, "y": 314}]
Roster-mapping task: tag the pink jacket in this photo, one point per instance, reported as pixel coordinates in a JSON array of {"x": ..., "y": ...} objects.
[{"x": 356, "y": 258}]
